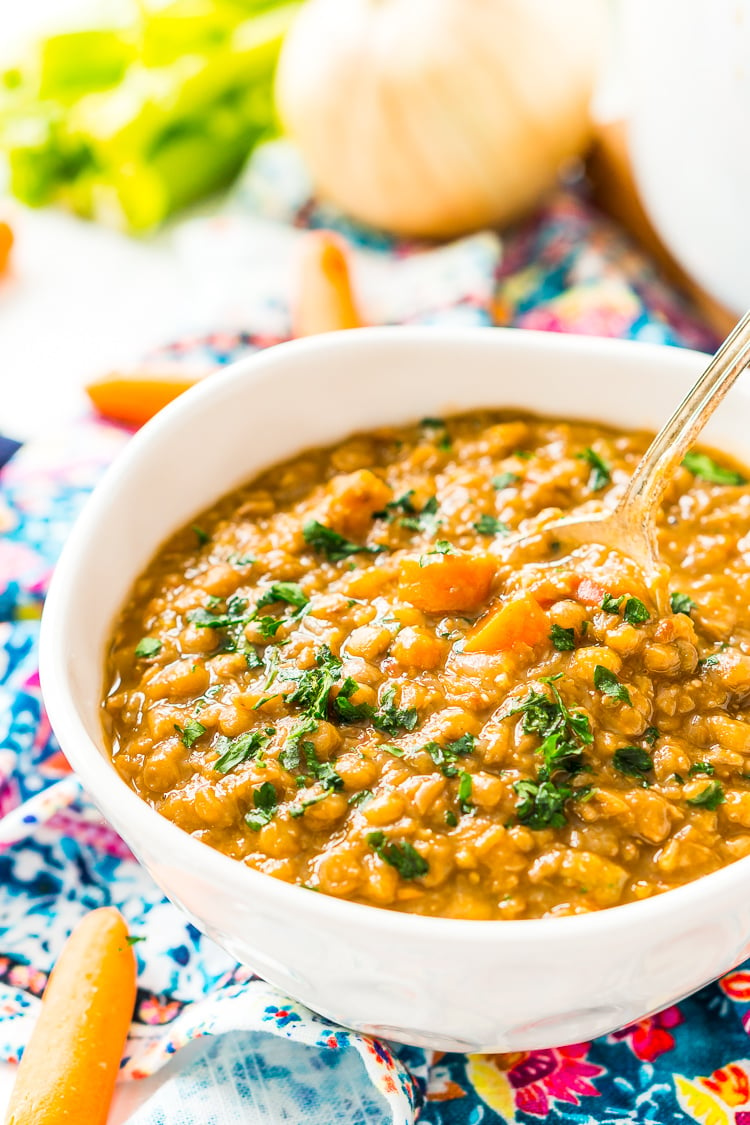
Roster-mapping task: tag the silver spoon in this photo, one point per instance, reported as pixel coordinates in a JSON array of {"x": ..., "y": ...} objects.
[{"x": 630, "y": 527}]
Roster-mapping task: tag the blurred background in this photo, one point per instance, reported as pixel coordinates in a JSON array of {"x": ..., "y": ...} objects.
[{"x": 158, "y": 158}]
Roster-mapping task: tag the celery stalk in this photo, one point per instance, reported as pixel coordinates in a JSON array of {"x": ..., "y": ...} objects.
[
  {"x": 128, "y": 121},
  {"x": 76, "y": 62}
]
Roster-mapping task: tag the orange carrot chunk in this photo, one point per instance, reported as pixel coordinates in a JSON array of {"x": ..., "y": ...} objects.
[
  {"x": 68, "y": 1070},
  {"x": 508, "y": 625},
  {"x": 325, "y": 298},
  {"x": 590, "y": 592},
  {"x": 135, "y": 396},
  {"x": 446, "y": 583},
  {"x": 6, "y": 245}
]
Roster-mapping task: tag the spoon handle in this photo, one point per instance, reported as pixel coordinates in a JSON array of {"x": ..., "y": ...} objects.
[{"x": 655, "y": 470}]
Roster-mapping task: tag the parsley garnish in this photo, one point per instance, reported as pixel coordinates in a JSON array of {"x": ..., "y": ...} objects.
[
  {"x": 303, "y": 806},
  {"x": 240, "y": 749},
  {"x": 191, "y": 732},
  {"x": 701, "y": 767},
  {"x": 564, "y": 640},
  {"x": 633, "y": 761},
  {"x": 289, "y": 592},
  {"x": 464, "y": 792},
  {"x": 401, "y": 855},
  {"x": 427, "y": 520},
  {"x": 600, "y": 475},
  {"x": 446, "y": 756},
  {"x": 314, "y": 684},
  {"x": 450, "y": 818},
  {"x": 611, "y": 604},
  {"x": 269, "y": 626},
  {"x": 394, "y": 751},
  {"x": 681, "y": 603},
  {"x": 360, "y": 798},
  {"x": 489, "y": 525},
  {"x": 607, "y": 683},
  {"x": 201, "y": 535},
  {"x": 541, "y": 803},
  {"x": 391, "y": 719},
  {"x": 266, "y": 803},
  {"x": 444, "y": 439},
  {"x": 401, "y": 504},
  {"x": 147, "y": 648},
  {"x": 703, "y": 466},
  {"x": 564, "y": 732},
  {"x": 635, "y": 612},
  {"x": 709, "y": 661},
  {"x": 131, "y": 939},
  {"x": 333, "y": 545},
  {"x": 710, "y": 797},
  {"x": 290, "y": 755},
  {"x": 651, "y": 735},
  {"x": 240, "y": 560},
  {"x": 504, "y": 480},
  {"x": 345, "y": 709}
]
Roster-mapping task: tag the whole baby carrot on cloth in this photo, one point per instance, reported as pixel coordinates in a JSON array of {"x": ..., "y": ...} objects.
[
  {"x": 325, "y": 297},
  {"x": 135, "y": 396},
  {"x": 6, "y": 245},
  {"x": 68, "y": 1070}
]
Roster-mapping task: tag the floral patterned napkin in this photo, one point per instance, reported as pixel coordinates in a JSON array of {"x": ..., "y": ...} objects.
[{"x": 269, "y": 1059}]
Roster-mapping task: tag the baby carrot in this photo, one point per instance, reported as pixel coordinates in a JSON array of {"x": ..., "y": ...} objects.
[
  {"x": 325, "y": 299},
  {"x": 6, "y": 245},
  {"x": 135, "y": 396},
  {"x": 68, "y": 1070}
]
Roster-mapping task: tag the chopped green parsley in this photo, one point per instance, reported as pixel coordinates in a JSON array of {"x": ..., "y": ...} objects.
[
  {"x": 635, "y": 612},
  {"x": 504, "y": 480},
  {"x": 266, "y": 803},
  {"x": 600, "y": 475},
  {"x": 633, "y": 761},
  {"x": 334, "y": 546},
  {"x": 607, "y": 683},
  {"x": 234, "y": 751},
  {"x": 147, "y": 648},
  {"x": 399, "y": 854},
  {"x": 490, "y": 525},
  {"x": 564, "y": 640},
  {"x": 704, "y": 467},
  {"x": 710, "y": 797},
  {"x": 391, "y": 719},
  {"x": 681, "y": 603}
]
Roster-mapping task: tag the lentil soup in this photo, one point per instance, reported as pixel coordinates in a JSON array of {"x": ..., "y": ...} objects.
[{"x": 336, "y": 677}]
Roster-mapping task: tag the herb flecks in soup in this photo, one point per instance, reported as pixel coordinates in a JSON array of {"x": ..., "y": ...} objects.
[{"x": 335, "y": 676}]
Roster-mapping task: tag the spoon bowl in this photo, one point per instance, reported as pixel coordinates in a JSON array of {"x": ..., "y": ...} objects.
[{"x": 630, "y": 527}]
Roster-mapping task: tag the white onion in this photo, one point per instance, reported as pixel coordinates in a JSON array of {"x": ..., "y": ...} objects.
[{"x": 436, "y": 117}]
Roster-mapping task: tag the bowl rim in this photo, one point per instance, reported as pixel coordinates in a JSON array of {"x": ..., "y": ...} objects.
[{"x": 101, "y": 782}]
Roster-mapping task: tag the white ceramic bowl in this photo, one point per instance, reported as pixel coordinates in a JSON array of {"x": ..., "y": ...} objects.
[{"x": 443, "y": 983}]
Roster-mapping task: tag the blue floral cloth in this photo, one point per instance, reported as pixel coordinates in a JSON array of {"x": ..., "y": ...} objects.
[{"x": 269, "y": 1059}]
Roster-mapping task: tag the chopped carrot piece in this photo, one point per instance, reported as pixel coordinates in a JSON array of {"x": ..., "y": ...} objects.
[
  {"x": 590, "y": 592},
  {"x": 69, "y": 1067},
  {"x": 135, "y": 396},
  {"x": 446, "y": 583},
  {"x": 510, "y": 624},
  {"x": 325, "y": 299},
  {"x": 6, "y": 245}
]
